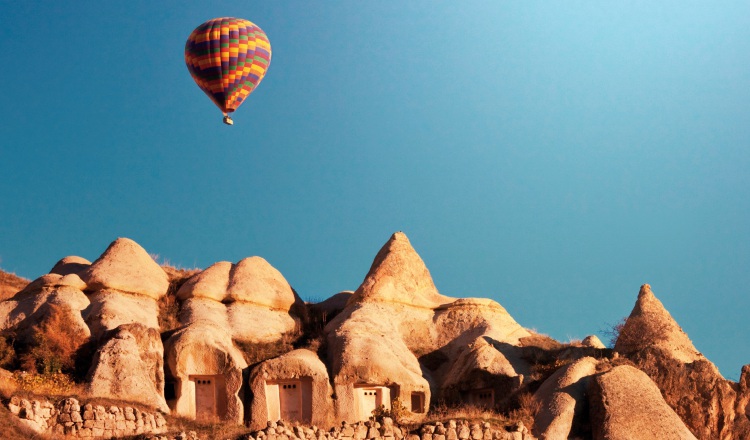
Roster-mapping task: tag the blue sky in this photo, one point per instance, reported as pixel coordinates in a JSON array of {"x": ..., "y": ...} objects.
[{"x": 553, "y": 156}]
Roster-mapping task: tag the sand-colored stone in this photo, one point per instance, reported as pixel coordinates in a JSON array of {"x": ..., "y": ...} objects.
[
  {"x": 626, "y": 404},
  {"x": 690, "y": 383},
  {"x": 593, "y": 341},
  {"x": 111, "y": 308},
  {"x": 129, "y": 366},
  {"x": 28, "y": 308},
  {"x": 256, "y": 282},
  {"x": 211, "y": 283},
  {"x": 562, "y": 398},
  {"x": 397, "y": 312},
  {"x": 126, "y": 267},
  {"x": 303, "y": 365},
  {"x": 651, "y": 325},
  {"x": 205, "y": 349},
  {"x": 70, "y": 265},
  {"x": 398, "y": 275}
]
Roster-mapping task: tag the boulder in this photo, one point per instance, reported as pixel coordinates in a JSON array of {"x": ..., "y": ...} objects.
[
  {"x": 129, "y": 366},
  {"x": 126, "y": 267},
  {"x": 626, "y": 404},
  {"x": 562, "y": 399},
  {"x": 593, "y": 341}
]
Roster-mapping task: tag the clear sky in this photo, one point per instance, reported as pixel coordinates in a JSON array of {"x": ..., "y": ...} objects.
[{"x": 553, "y": 156}]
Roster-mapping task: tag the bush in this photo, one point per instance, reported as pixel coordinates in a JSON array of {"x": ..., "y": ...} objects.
[
  {"x": 54, "y": 344},
  {"x": 7, "y": 352},
  {"x": 398, "y": 412}
]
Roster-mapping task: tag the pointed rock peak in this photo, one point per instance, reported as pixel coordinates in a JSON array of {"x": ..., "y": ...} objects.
[
  {"x": 69, "y": 265},
  {"x": 127, "y": 267},
  {"x": 399, "y": 275},
  {"x": 254, "y": 280},
  {"x": 651, "y": 325}
]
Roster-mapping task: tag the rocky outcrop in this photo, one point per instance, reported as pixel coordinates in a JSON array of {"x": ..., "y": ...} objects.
[
  {"x": 398, "y": 331},
  {"x": 125, "y": 283},
  {"x": 625, "y": 404},
  {"x": 199, "y": 351},
  {"x": 251, "y": 300},
  {"x": 27, "y": 309},
  {"x": 129, "y": 366},
  {"x": 126, "y": 267},
  {"x": 690, "y": 383},
  {"x": 651, "y": 325},
  {"x": 562, "y": 400}
]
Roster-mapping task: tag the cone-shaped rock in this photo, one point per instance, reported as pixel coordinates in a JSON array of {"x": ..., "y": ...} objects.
[
  {"x": 651, "y": 325},
  {"x": 126, "y": 267},
  {"x": 399, "y": 275}
]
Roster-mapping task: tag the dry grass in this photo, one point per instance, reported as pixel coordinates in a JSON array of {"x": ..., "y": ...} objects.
[{"x": 10, "y": 284}]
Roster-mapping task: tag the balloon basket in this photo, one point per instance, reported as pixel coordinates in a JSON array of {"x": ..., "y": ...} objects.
[{"x": 228, "y": 120}]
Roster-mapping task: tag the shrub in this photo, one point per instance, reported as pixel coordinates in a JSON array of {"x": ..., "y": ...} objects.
[
  {"x": 45, "y": 383},
  {"x": 398, "y": 412},
  {"x": 7, "y": 352},
  {"x": 54, "y": 344}
]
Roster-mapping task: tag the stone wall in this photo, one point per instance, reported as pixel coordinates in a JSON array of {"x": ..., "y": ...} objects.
[
  {"x": 69, "y": 418},
  {"x": 387, "y": 430}
]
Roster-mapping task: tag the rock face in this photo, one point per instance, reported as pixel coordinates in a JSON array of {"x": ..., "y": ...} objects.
[
  {"x": 130, "y": 365},
  {"x": 626, "y": 404},
  {"x": 398, "y": 336},
  {"x": 202, "y": 353},
  {"x": 293, "y": 387},
  {"x": 563, "y": 399},
  {"x": 691, "y": 384},
  {"x": 251, "y": 299}
]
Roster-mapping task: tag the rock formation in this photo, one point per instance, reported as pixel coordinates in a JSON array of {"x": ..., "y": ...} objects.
[
  {"x": 242, "y": 347},
  {"x": 563, "y": 399},
  {"x": 396, "y": 316},
  {"x": 691, "y": 384},
  {"x": 626, "y": 404},
  {"x": 293, "y": 387}
]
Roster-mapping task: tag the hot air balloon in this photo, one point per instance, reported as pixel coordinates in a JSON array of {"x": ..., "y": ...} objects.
[{"x": 227, "y": 57}]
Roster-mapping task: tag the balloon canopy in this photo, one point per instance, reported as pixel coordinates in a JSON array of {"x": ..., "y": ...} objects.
[{"x": 228, "y": 57}]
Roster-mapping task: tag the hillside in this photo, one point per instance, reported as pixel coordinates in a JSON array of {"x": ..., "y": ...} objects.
[{"x": 10, "y": 284}]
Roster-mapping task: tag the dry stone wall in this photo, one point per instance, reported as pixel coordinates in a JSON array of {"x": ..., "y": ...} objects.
[
  {"x": 387, "y": 430},
  {"x": 69, "y": 418}
]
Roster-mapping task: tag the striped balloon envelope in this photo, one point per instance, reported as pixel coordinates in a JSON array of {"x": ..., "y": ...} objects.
[{"x": 228, "y": 57}]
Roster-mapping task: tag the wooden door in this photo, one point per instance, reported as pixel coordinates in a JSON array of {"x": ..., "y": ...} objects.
[
  {"x": 205, "y": 398},
  {"x": 290, "y": 401}
]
